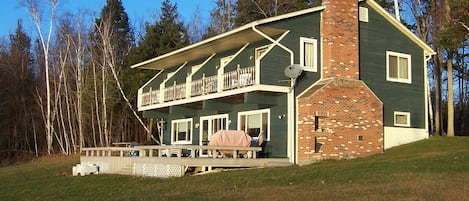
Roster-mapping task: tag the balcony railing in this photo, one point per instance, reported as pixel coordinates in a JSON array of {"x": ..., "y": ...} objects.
[
  {"x": 241, "y": 77},
  {"x": 206, "y": 85}
]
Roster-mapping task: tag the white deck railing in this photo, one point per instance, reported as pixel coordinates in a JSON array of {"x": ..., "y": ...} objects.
[
  {"x": 171, "y": 151},
  {"x": 241, "y": 77},
  {"x": 175, "y": 92},
  {"x": 204, "y": 86}
]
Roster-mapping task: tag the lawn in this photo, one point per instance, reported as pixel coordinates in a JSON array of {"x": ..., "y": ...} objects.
[{"x": 434, "y": 169}]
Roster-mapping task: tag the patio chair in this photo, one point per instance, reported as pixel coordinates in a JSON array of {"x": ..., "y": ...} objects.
[
  {"x": 260, "y": 139},
  {"x": 259, "y": 142}
]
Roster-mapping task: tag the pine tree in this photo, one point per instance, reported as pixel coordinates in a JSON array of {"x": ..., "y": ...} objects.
[
  {"x": 17, "y": 109},
  {"x": 111, "y": 28},
  {"x": 166, "y": 35},
  {"x": 251, "y": 10}
]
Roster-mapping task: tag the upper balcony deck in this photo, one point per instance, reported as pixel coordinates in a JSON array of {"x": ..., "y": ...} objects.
[{"x": 239, "y": 78}]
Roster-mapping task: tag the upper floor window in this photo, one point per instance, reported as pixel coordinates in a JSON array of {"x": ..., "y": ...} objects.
[
  {"x": 398, "y": 67},
  {"x": 254, "y": 122},
  {"x": 260, "y": 51},
  {"x": 402, "y": 119},
  {"x": 225, "y": 60},
  {"x": 308, "y": 54},
  {"x": 181, "y": 131}
]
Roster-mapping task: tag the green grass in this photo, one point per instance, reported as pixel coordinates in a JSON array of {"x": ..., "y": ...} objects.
[{"x": 435, "y": 169}]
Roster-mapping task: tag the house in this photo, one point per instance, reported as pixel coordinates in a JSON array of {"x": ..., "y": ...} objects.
[{"x": 362, "y": 88}]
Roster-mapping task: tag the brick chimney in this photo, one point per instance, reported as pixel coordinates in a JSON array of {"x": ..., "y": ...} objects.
[{"x": 340, "y": 39}]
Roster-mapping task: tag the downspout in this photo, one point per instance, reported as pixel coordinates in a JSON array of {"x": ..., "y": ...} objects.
[
  {"x": 428, "y": 105},
  {"x": 291, "y": 149}
]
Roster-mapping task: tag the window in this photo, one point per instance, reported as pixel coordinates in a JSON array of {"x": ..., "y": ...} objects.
[
  {"x": 318, "y": 123},
  {"x": 398, "y": 67},
  {"x": 254, "y": 122},
  {"x": 402, "y": 119},
  {"x": 181, "y": 131},
  {"x": 261, "y": 51},
  {"x": 225, "y": 60},
  {"x": 308, "y": 54}
]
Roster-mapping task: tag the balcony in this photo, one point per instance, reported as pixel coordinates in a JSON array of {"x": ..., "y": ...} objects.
[{"x": 239, "y": 78}]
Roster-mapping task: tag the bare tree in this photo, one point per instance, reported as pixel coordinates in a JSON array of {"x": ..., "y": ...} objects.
[
  {"x": 449, "y": 64},
  {"x": 32, "y": 6},
  {"x": 105, "y": 35}
]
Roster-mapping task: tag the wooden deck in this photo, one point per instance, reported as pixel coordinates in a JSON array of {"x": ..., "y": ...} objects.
[{"x": 172, "y": 161}]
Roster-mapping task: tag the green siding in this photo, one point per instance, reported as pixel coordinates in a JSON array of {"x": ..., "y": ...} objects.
[
  {"x": 272, "y": 67},
  {"x": 376, "y": 37},
  {"x": 274, "y": 63},
  {"x": 275, "y": 147}
]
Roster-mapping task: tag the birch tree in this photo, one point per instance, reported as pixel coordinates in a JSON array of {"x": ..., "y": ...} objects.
[{"x": 32, "y": 6}]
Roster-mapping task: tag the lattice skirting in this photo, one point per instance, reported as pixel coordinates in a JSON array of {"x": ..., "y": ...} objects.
[{"x": 158, "y": 170}]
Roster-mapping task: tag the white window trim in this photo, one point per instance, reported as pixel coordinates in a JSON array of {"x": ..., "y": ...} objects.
[
  {"x": 256, "y": 112},
  {"x": 174, "y": 141},
  {"x": 407, "y": 114},
  {"x": 304, "y": 40},
  {"x": 409, "y": 69},
  {"x": 224, "y": 61},
  {"x": 259, "y": 48}
]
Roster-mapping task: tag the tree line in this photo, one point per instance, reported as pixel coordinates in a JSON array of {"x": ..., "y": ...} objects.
[{"x": 71, "y": 85}]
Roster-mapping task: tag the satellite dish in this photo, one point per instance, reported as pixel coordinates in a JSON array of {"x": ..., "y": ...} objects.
[{"x": 293, "y": 71}]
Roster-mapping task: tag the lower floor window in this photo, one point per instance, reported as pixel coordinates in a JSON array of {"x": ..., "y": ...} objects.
[
  {"x": 255, "y": 122},
  {"x": 402, "y": 119},
  {"x": 181, "y": 131}
]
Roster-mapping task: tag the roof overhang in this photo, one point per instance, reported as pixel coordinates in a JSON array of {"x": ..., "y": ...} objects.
[
  {"x": 220, "y": 43},
  {"x": 204, "y": 49}
]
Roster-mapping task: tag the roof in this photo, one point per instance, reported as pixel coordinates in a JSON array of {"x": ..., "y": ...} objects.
[
  {"x": 235, "y": 38},
  {"x": 238, "y": 37}
]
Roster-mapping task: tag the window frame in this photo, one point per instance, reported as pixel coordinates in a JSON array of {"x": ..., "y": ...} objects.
[
  {"x": 409, "y": 67},
  {"x": 265, "y": 48},
  {"x": 254, "y": 112},
  {"x": 174, "y": 139},
  {"x": 224, "y": 61},
  {"x": 314, "y": 42},
  {"x": 407, "y": 114}
]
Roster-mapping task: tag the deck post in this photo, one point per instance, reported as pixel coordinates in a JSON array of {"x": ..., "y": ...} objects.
[{"x": 192, "y": 153}]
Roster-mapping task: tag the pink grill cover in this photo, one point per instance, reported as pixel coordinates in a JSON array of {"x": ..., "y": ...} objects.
[{"x": 230, "y": 138}]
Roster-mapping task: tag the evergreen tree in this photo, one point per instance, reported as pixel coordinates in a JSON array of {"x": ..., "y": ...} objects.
[
  {"x": 17, "y": 100},
  {"x": 166, "y": 35},
  {"x": 111, "y": 39},
  {"x": 251, "y": 10},
  {"x": 122, "y": 34}
]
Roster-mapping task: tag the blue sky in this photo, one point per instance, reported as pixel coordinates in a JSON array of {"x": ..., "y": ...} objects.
[{"x": 11, "y": 11}]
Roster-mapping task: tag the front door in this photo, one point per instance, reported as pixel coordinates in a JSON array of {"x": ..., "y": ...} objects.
[{"x": 209, "y": 126}]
